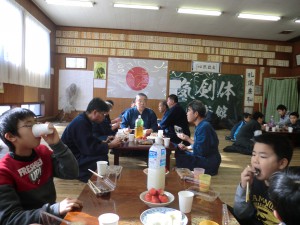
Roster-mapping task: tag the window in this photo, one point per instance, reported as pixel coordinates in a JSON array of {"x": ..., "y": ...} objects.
[
  {"x": 37, "y": 53},
  {"x": 34, "y": 107},
  {"x": 24, "y": 49},
  {"x": 4, "y": 108}
]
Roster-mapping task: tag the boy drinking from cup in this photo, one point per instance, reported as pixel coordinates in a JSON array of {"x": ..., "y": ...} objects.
[
  {"x": 271, "y": 153},
  {"x": 26, "y": 173}
]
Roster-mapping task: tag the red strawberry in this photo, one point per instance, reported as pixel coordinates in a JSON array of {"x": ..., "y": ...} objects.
[
  {"x": 163, "y": 198},
  {"x": 155, "y": 199},
  {"x": 160, "y": 191},
  {"x": 152, "y": 191},
  {"x": 148, "y": 197}
]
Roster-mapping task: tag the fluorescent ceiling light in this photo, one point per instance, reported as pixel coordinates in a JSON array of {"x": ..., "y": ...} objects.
[
  {"x": 131, "y": 6},
  {"x": 258, "y": 17},
  {"x": 199, "y": 12},
  {"x": 80, "y": 3},
  {"x": 297, "y": 21}
]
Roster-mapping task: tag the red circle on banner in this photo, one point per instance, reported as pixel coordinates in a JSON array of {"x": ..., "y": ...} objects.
[{"x": 137, "y": 78}]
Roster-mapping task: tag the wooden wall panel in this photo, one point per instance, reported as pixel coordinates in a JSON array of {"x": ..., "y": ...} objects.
[
  {"x": 12, "y": 94},
  {"x": 31, "y": 94}
]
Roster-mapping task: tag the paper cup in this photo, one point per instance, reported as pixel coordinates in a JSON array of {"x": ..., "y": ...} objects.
[
  {"x": 267, "y": 129},
  {"x": 42, "y": 129},
  {"x": 131, "y": 137},
  {"x": 204, "y": 182},
  {"x": 290, "y": 129},
  {"x": 185, "y": 201},
  {"x": 108, "y": 219},
  {"x": 273, "y": 129},
  {"x": 102, "y": 167},
  {"x": 197, "y": 172},
  {"x": 166, "y": 142}
]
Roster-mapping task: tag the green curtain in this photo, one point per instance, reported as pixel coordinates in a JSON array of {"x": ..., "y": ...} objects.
[{"x": 277, "y": 92}]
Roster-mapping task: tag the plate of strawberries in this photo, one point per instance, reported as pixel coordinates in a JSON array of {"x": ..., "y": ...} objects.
[{"x": 157, "y": 198}]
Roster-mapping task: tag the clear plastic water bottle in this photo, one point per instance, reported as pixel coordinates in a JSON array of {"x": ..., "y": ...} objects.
[
  {"x": 157, "y": 165},
  {"x": 272, "y": 123},
  {"x": 139, "y": 127}
]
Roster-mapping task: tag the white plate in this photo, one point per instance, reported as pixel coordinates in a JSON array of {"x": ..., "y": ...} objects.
[
  {"x": 150, "y": 204},
  {"x": 146, "y": 171},
  {"x": 163, "y": 210}
]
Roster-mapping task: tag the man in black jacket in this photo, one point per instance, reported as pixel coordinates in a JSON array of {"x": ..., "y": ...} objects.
[
  {"x": 244, "y": 143},
  {"x": 175, "y": 116}
]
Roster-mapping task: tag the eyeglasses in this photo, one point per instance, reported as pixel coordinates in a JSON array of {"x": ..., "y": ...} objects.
[{"x": 28, "y": 125}]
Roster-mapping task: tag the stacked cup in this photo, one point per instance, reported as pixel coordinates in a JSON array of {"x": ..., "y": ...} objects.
[{"x": 108, "y": 219}]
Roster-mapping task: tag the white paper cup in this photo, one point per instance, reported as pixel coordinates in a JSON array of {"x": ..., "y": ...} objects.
[
  {"x": 102, "y": 167},
  {"x": 273, "y": 129},
  {"x": 185, "y": 201},
  {"x": 267, "y": 129},
  {"x": 42, "y": 129},
  {"x": 108, "y": 219},
  {"x": 166, "y": 142},
  {"x": 290, "y": 129},
  {"x": 131, "y": 137}
]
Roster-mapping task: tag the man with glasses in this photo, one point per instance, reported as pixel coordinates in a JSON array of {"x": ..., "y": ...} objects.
[{"x": 79, "y": 137}]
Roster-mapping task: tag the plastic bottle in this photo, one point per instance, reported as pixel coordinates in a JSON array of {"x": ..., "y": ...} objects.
[
  {"x": 139, "y": 126},
  {"x": 271, "y": 123},
  {"x": 157, "y": 165}
]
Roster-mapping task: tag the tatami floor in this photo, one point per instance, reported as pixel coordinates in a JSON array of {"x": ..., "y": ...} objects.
[{"x": 225, "y": 182}]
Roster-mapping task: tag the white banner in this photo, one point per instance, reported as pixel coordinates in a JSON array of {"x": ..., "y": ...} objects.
[
  {"x": 127, "y": 77},
  {"x": 249, "y": 87},
  {"x": 201, "y": 66}
]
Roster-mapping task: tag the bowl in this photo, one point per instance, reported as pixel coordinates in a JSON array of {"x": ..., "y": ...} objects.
[
  {"x": 146, "y": 171},
  {"x": 161, "y": 212},
  {"x": 151, "y": 205}
]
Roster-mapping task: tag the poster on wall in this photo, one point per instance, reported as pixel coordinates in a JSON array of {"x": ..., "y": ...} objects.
[
  {"x": 99, "y": 74},
  {"x": 83, "y": 80},
  {"x": 127, "y": 77},
  {"x": 100, "y": 70},
  {"x": 1, "y": 88},
  {"x": 249, "y": 87},
  {"x": 223, "y": 94}
]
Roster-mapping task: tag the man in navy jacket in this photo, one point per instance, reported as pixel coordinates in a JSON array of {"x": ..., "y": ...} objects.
[{"x": 78, "y": 136}]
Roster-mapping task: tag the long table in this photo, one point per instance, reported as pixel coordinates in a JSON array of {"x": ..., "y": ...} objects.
[
  {"x": 294, "y": 137},
  {"x": 134, "y": 146},
  {"x": 125, "y": 202}
]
